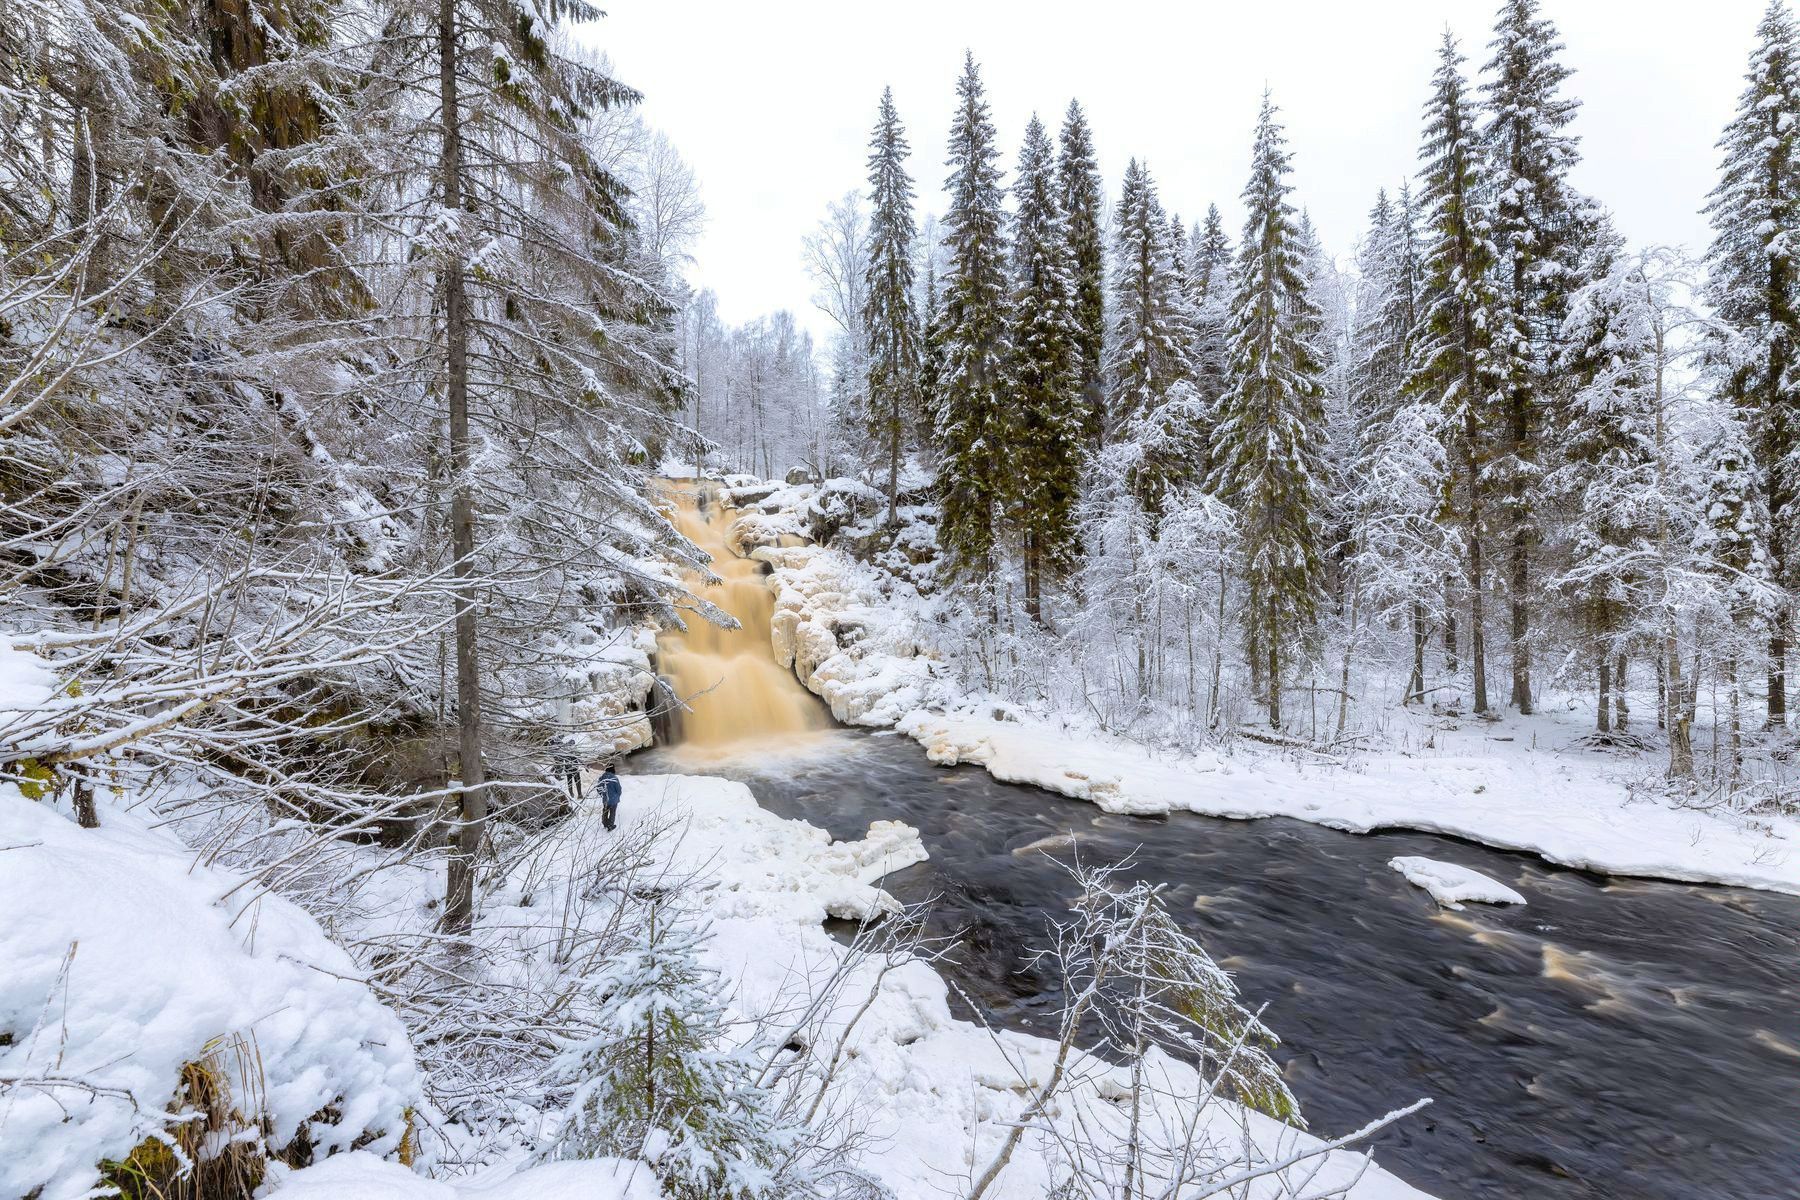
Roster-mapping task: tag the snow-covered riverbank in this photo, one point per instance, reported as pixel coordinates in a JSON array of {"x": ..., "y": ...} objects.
[
  {"x": 938, "y": 1094},
  {"x": 855, "y": 636}
]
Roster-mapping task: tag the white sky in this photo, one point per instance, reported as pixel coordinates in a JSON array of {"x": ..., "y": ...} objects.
[{"x": 772, "y": 103}]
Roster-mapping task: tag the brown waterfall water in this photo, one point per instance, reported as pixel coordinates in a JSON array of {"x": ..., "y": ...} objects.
[{"x": 737, "y": 696}]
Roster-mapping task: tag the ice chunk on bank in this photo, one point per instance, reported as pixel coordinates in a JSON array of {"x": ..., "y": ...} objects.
[{"x": 1449, "y": 884}]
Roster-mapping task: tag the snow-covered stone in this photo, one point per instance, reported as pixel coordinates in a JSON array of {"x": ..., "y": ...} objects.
[{"x": 1451, "y": 884}]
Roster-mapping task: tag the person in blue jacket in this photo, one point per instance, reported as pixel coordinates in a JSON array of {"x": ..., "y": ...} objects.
[{"x": 610, "y": 788}]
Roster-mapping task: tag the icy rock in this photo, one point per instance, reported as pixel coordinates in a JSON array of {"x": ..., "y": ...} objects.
[{"x": 1450, "y": 884}]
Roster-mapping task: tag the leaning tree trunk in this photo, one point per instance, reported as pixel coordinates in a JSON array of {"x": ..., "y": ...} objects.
[{"x": 459, "y": 899}]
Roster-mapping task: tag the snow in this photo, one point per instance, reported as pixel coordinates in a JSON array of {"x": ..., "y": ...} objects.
[
  {"x": 362, "y": 1176},
  {"x": 1450, "y": 884},
  {"x": 861, "y": 642},
  {"x": 125, "y": 960},
  {"x": 939, "y": 1091}
]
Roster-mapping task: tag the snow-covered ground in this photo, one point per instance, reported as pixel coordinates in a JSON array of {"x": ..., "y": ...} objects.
[
  {"x": 1451, "y": 883},
  {"x": 938, "y": 1093},
  {"x": 857, "y": 638},
  {"x": 122, "y": 960}
]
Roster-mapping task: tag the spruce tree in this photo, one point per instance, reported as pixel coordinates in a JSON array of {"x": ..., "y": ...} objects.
[
  {"x": 888, "y": 318},
  {"x": 1044, "y": 374},
  {"x": 1754, "y": 284},
  {"x": 1146, "y": 358},
  {"x": 1271, "y": 428},
  {"x": 1209, "y": 286},
  {"x": 1080, "y": 198},
  {"x": 1539, "y": 222},
  {"x": 1453, "y": 366},
  {"x": 973, "y": 426},
  {"x": 1398, "y": 463},
  {"x": 1731, "y": 543},
  {"x": 658, "y": 1080},
  {"x": 1604, "y": 477}
]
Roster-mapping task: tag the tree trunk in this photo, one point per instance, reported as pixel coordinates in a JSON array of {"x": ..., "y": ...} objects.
[
  {"x": 1736, "y": 745},
  {"x": 1033, "y": 579},
  {"x": 459, "y": 900},
  {"x": 1681, "y": 737},
  {"x": 86, "y": 815},
  {"x": 1603, "y": 702},
  {"x": 1621, "y": 706},
  {"x": 1415, "y": 686},
  {"x": 893, "y": 488},
  {"x": 1477, "y": 613},
  {"x": 1218, "y": 659},
  {"x": 1450, "y": 661},
  {"x": 1777, "y": 702},
  {"x": 1274, "y": 683},
  {"x": 1521, "y": 616}
]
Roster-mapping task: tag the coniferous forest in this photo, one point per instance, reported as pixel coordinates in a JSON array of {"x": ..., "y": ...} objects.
[{"x": 1196, "y": 612}]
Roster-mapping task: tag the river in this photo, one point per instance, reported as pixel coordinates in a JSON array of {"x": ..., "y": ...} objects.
[{"x": 1614, "y": 1038}]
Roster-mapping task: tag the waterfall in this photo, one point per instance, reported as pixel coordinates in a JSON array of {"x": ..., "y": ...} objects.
[{"x": 735, "y": 691}]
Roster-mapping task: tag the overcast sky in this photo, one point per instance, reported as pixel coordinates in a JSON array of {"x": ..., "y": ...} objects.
[{"x": 772, "y": 103}]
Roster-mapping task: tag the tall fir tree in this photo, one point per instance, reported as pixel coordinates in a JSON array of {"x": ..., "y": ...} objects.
[
  {"x": 1453, "y": 364},
  {"x": 973, "y": 425},
  {"x": 889, "y": 321},
  {"x": 1080, "y": 198},
  {"x": 1044, "y": 374},
  {"x": 1539, "y": 225},
  {"x": 1754, "y": 284},
  {"x": 1271, "y": 428},
  {"x": 1209, "y": 285},
  {"x": 1603, "y": 477},
  {"x": 1398, "y": 466},
  {"x": 1146, "y": 355}
]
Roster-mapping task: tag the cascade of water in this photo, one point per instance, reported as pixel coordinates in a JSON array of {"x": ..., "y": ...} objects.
[{"x": 729, "y": 679}]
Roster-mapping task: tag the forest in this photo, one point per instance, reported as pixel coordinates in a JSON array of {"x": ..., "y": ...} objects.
[{"x": 374, "y": 472}]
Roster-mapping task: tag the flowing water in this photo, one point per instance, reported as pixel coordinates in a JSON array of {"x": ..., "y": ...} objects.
[
  {"x": 728, "y": 678},
  {"x": 1612, "y": 1039}
]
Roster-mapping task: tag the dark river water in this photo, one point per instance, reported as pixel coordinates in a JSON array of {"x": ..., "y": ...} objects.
[{"x": 1613, "y": 1038}]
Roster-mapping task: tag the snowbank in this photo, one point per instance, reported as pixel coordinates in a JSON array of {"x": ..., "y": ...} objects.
[
  {"x": 940, "y": 1093},
  {"x": 855, "y": 638},
  {"x": 1564, "y": 808},
  {"x": 124, "y": 960},
  {"x": 1450, "y": 884},
  {"x": 366, "y": 1177}
]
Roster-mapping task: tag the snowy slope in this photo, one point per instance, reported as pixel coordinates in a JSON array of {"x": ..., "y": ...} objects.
[{"x": 122, "y": 960}]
